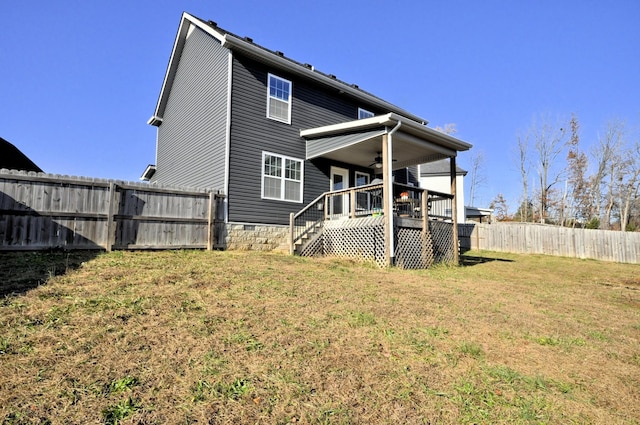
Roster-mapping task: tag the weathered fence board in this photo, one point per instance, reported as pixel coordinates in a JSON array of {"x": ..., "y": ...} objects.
[
  {"x": 532, "y": 238},
  {"x": 39, "y": 211}
]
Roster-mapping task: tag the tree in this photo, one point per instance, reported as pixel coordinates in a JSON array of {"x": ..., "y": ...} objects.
[
  {"x": 526, "y": 211},
  {"x": 549, "y": 143},
  {"x": 578, "y": 202},
  {"x": 523, "y": 151},
  {"x": 500, "y": 207},
  {"x": 629, "y": 186},
  {"x": 449, "y": 128},
  {"x": 607, "y": 198},
  {"x": 478, "y": 177},
  {"x": 608, "y": 156}
]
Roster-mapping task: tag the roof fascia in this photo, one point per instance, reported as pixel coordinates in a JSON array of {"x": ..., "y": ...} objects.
[
  {"x": 442, "y": 138},
  {"x": 346, "y": 127},
  {"x": 433, "y": 135},
  {"x": 414, "y": 128},
  {"x": 233, "y": 42},
  {"x": 442, "y": 173},
  {"x": 185, "y": 22}
]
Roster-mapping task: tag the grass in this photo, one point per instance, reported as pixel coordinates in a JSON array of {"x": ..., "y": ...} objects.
[{"x": 240, "y": 337}]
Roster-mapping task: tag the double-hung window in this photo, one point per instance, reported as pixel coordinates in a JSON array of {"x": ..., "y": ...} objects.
[
  {"x": 363, "y": 113},
  {"x": 279, "y": 99},
  {"x": 281, "y": 177}
]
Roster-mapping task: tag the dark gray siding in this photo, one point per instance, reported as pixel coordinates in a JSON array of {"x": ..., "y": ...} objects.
[
  {"x": 252, "y": 133},
  {"x": 191, "y": 140}
]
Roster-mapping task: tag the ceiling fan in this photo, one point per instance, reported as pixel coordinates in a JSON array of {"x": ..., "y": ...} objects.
[{"x": 377, "y": 161}]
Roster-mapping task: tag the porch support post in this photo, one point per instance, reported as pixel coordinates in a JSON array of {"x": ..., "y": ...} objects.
[
  {"x": 454, "y": 209},
  {"x": 387, "y": 200},
  {"x": 424, "y": 208},
  {"x": 292, "y": 222}
]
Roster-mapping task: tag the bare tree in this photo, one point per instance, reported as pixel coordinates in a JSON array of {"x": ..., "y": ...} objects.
[
  {"x": 523, "y": 161},
  {"x": 449, "y": 128},
  {"x": 607, "y": 198},
  {"x": 549, "y": 143},
  {"x": 629, "y": 186},
  {"x": 478, "y": 176},
  {"x": 608, "y": 157}
]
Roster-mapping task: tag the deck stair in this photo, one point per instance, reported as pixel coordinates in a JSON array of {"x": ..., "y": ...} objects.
[
  {"x": 306, "y": 228},
  {"x": 308, "y": 243}
]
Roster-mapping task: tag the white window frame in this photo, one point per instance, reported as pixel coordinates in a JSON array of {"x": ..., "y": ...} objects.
[
  {"x": 363, "y": 113},
  {"x": 362, "y": 174},
  {"x": 287, "y": 101},
  {"x": 282, "y": 178}
]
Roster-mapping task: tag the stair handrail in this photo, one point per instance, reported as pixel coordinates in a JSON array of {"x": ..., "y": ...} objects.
[
  {"x": 312, "y": 216},
  {"x": 304, "y": 221},
  {"x": 315, "y": 201}
]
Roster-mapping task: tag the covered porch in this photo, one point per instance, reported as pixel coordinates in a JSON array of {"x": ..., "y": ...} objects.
[{"x": 382, "y": 219}]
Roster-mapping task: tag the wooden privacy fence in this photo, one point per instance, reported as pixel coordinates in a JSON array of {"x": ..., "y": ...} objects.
[
  {"x": 532, "y": 238},
  {"x": 40, "y": 211}
]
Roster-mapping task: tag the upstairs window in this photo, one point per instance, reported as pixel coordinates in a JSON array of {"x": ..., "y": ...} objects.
[
  {"x": 281, "y": 177},
  {"x": 363, "y": 113},
  {"x": 279, "y": 99}
]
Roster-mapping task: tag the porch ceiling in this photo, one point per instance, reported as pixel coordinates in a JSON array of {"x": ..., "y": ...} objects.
[{"x": 360, "y": 142}]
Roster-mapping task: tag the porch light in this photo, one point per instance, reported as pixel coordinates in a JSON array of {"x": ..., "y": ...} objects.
[{"x": 378, "y": 164}]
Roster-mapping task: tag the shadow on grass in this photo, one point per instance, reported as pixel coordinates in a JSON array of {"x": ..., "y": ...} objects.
[
  {"x": 22, "y": 271},
  {"x": 470, "y": 260}
]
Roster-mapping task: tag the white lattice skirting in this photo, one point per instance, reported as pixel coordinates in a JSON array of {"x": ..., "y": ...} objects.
[
  {"x": 359, "y": 238},
  {"x": 363, "y": 239}
]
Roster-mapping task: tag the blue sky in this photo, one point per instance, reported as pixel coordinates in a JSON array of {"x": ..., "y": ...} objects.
[{"x": 79, "y": 79}]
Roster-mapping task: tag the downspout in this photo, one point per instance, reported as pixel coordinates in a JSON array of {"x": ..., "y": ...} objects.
[
  {"x": 389, "y": 198},
  {"x": 227, "y": 135}
]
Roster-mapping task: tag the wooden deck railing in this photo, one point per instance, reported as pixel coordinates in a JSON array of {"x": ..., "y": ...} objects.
[{"x": 362, "y": 201}]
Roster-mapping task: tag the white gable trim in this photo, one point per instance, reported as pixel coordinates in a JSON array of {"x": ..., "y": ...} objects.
[
  {"x": 187, "y": 24},
  {"x": 232, "y": 42}
]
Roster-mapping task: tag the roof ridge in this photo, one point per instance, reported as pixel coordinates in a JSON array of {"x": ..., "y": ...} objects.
[{"x": 277, "y": 53}]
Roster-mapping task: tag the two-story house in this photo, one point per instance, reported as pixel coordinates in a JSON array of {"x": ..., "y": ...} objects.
[{"x": 297, "y": 153}]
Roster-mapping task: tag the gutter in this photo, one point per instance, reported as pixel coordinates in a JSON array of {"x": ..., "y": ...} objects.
[{"x": 232, "y": 42}]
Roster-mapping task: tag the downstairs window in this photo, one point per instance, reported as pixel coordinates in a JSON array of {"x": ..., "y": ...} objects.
[{"x": 281, "y": 177}]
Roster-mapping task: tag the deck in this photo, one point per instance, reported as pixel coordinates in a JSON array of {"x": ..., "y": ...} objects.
[{"x": 351, "y": 224}]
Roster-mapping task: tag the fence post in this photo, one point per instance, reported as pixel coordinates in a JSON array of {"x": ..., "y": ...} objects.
[
  {"x": 291, "y": 223},
  {"x": 454, "y": 209},
  {"x": 111, "y": 217},
  {"x": 210, "y": 222}
]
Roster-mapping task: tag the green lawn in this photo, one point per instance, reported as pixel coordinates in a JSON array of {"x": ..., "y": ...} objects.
[{"x": 243, "y": 337}]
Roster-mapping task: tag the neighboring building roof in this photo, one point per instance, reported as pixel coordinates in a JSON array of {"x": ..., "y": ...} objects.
[
  {"x": 13, "y": 159},
  {"x": 274, "y": 58},
  {"x": 478, "y": 212},
  {"x": 439, "y": 168}
]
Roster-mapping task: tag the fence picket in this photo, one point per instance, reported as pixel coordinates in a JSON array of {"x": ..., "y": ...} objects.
[
  {"x": 533, "y": 238},
  {"x": 41, "y": 211}
]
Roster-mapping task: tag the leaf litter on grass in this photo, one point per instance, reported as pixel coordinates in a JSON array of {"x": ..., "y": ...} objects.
[{"x": 227, "y": 337}]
